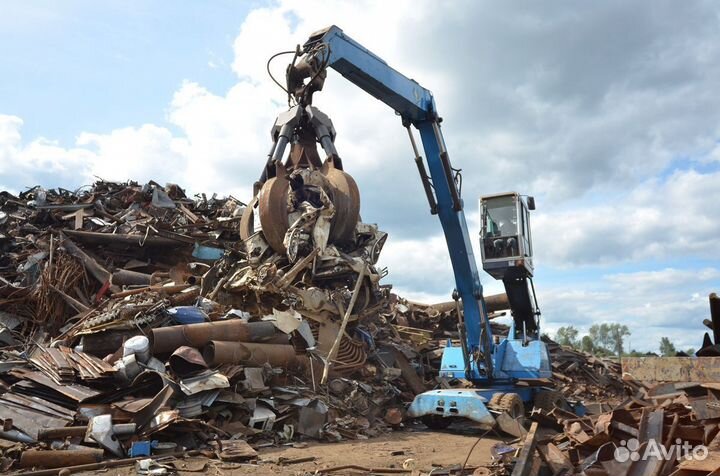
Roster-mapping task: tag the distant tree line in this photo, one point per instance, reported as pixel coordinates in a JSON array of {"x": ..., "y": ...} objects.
[{"x": 608, "y": 339}]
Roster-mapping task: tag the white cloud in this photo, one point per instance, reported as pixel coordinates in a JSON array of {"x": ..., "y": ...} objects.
[
  {"x": 144, "y": 152},
  {"x": 29, "y": 164},
  {"x": 676, "y": 217}
]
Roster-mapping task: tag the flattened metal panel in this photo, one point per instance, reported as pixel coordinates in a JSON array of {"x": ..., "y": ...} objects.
[{"x": 671, "y": 369}]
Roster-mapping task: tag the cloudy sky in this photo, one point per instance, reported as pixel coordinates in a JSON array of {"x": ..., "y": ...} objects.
[{"x": 607, "y": 112}]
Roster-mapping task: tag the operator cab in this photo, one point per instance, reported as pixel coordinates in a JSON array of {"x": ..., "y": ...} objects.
[{"x": 505, "y": 239}]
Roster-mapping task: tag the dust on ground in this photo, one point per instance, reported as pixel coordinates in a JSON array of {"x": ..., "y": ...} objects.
[{"x": 428, "y": 449}]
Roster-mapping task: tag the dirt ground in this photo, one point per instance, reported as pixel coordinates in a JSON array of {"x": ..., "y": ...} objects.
[{"x": 428, "y": 449}]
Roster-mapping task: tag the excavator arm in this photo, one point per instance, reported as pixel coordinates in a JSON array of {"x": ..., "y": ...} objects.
[{"x": 494, "y": 366}]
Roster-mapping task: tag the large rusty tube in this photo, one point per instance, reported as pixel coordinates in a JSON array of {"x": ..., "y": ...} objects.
[
  {"x": 277, "y": 355},
  {"x": 56, "y": 433},
  {"x": 167, "y": 339},
  {"x": 61, "y": 432},
  {"x": 60, "y": 458},
  {"x": 493, "y": 303},
  {"x": 124, "y": 277},
  {"x": 497, "y": 302}
]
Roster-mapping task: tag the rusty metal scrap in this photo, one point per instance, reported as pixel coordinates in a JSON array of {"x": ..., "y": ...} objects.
[
  {"x": 60, "y": 459},
  {"x": 672, "y": 369},
  {"x": 581, "y": 376},
  {"x": 667, "y": 405},
  {"x": 168, "y": 339},
  {"x": 656, "y": 415},
  {"x": 310, "y": 249},
  {"x": 251, "y": 354},
  {"x": 186, "y": 361},
  {"x": 65, "y": 365}
]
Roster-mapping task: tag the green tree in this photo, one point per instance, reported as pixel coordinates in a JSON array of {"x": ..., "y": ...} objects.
[
  {"x": 586, "y": 344},
  {"x": 567, "y": 336},
  {"x": 598, "y": 334},
  {"x": 608, "y": 338},
  {"x": 618, "y": 333},
  {"x": 667, "y": 348}
]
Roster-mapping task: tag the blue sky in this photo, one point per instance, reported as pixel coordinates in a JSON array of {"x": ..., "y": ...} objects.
[
  {"x": 94, "y": 66},
  {"x": 608, "y": 115}
]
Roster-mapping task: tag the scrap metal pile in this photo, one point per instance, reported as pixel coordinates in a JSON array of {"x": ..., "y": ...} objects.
[
  {"x": 667, "y": 424},
  {"x": 135, "y": 320},
  {"x": 131, "y": 314},
  {"x": 663, "y": 429},
  {"x": 585, "y": 377}
]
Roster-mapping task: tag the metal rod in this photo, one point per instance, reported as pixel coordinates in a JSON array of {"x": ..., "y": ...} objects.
[
  {"x": 439, "y": 137},
  {"x": 336, "y": 345},
  {"x": 427, "y": 186},
  {"x": 50, "y": 260},
  {"x": 283, "y": 140},
  {"x": 445, "y": 161},
  {"x": 463, "y": 336}
]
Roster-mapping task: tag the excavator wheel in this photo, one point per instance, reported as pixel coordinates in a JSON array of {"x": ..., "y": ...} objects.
[
  {"x": 436, "y": 422},
  {"x": 547, "y": 400},
  {"x": 494, "y": 402},
  {"x": 512, "y": 404}
]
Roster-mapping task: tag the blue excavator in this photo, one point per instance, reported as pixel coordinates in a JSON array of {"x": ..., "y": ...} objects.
[{"x": 508, "y": 375}]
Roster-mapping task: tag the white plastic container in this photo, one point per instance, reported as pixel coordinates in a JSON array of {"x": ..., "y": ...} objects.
[{"x": 139, "y": 346}]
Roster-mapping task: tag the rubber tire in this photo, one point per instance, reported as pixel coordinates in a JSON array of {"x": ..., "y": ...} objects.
[
  {"x": 494, "y": 401},
  {"x": 512, "y": 404},
  {"x": 547, "y": 400},
  {"x": 436, "y": 422}
]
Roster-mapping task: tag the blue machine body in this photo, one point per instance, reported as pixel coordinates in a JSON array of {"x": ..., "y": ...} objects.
[
  {"x": 492, "y": 367},
  {"x": 513, "y": 360}
]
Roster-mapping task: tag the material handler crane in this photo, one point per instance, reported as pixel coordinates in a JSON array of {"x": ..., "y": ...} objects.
[{"x": 494, "y": 366}]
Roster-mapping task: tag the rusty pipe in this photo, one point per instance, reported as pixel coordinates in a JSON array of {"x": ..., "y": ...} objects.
[
  {"x": 60, "y": 458},
  {"x": 277, "y": 355},
  {"x": 493, "y": 303},
  {"x": 130, "y": 278},
  {"x": 497, "y": 302},
  {"x": 167, "y": 339},
  {"x": 16, "y": 435},
  {"x": 120, "y": 429},
  {"x": 61, "y": 432},
  {"x": 167, "y": 290}
]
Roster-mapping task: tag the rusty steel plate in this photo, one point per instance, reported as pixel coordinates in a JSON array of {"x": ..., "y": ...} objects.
[
  {"x": 272, "y": 208},
  {"x": 346, "y": 199},
  {"x": 247, "y": 221}
]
